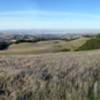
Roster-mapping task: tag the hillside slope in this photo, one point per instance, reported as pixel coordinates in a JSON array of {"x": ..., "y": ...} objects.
[
  {"x": 45, "y": 46},
  {"x": 91, "y": 44}
]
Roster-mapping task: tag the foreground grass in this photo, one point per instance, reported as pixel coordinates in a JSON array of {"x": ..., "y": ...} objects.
[{"x": 60, "y": 76}]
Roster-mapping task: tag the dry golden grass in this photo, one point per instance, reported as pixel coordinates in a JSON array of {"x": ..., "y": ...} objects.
[{"x": 59, "y": 76}]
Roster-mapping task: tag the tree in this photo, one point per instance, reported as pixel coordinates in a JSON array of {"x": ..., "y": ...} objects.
[{"x": 4, "y": 45}]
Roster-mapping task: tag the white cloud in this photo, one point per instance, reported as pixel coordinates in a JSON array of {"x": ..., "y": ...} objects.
[
  {"x": 16, "y": 20},
  {"x": 32, "y": 19},
  {"x": 48, "y": 13},
  {"x": 55, "y": 13},
  {"x": 10, "y": 13}
]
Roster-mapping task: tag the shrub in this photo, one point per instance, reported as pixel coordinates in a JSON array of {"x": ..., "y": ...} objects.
[{"x": 4, "y": 45}]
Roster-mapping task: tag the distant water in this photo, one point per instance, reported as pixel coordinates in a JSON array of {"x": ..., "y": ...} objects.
[
  {"x": 70, "y": 31},
  {"x": 54, "y": 31}
]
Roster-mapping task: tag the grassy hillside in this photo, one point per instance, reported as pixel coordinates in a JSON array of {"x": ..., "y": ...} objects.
[
  {"x": 60, "y": 76},
  {"x": 93, "y": 43},
  {"x": 45, "y": 46},
  {"x": 52, "y": 46}
]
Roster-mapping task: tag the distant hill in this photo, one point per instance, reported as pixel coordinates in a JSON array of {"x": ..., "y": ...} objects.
[
  {"x": 44, "y": 43},
  {"x": 37, "y": 37}
]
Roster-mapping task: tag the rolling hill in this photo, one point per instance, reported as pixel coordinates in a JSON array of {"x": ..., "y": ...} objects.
[{"x": 45, "y": 46}]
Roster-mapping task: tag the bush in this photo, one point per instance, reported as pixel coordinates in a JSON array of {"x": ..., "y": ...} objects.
[{"x": 4, "y": 45}]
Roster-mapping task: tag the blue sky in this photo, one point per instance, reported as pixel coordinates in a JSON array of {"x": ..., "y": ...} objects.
[{"x": 50, "y": 14}]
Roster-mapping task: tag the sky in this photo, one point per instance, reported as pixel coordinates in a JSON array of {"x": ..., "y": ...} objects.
[{"x": 49, "y": 14}]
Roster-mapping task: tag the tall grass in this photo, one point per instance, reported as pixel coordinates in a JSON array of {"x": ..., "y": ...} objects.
[{"x": 63, "y": 76}]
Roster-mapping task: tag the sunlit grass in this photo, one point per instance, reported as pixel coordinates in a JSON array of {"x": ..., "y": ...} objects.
[{"x": 59, "y": 76}]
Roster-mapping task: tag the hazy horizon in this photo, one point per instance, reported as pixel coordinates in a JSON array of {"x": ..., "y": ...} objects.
[{"x": 58, "y": 31}]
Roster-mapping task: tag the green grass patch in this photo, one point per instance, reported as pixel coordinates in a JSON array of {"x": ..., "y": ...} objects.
[{"x": 91, "y": 44}]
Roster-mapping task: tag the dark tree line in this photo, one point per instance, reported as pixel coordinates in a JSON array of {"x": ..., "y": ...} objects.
[{"x": 4, "y": 45}]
